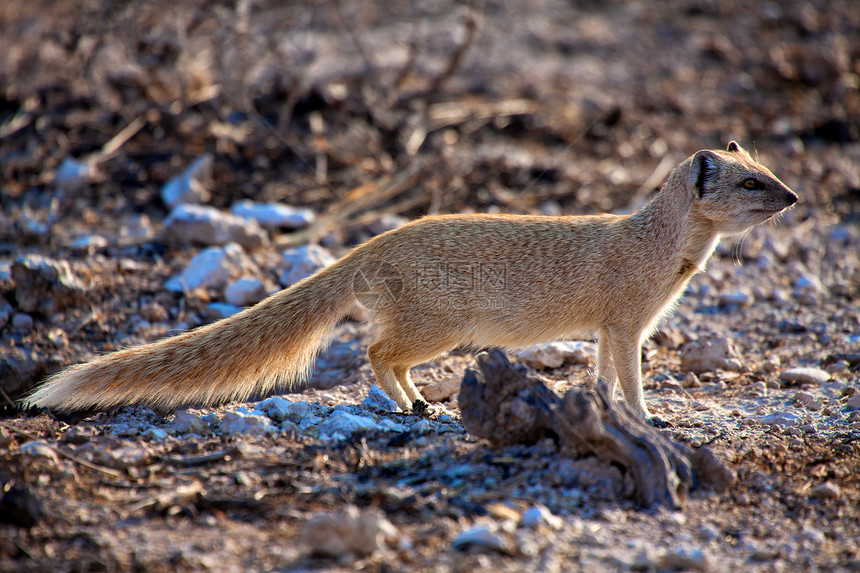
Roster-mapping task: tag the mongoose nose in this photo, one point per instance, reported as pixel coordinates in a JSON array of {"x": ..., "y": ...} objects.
[{"x": 791, "y": 197}]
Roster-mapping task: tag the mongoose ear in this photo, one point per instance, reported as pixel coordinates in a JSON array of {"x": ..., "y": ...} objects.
[
  {"x": 734, "y": 147},
  {"x": 703, "y": 170}
]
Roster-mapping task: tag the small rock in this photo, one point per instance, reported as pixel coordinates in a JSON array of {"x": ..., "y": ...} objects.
[
  {"x": 685, "y": 559},
  {"x": 302, "y": 262},
  {"x": 245, "y": 292},
  {"x": 341, "y": 425},
  {"x": 6, "y": 312},
  {"x": 39, "y": 450},
  {"x": 220, "y": 310},
  {"x": 58, "y": 338},
  {"x": 211, "y": 419},
  {"x": 237, "y": 423},
  {"x": 274, "y": 215},
  {"x": 555, "y": 354},
  {"x": 710, "y": 354},
  {"x": 808, "y": 401},
  {"x": 350, "y": 531},
  {"x": 45, "y": 285},
  {"x": 734, "y": 299},
  {"x": 210, "y": 268},
  {"x": 815, "y": 376},
  {"x": 277, "y": 408},
  {"x": 808, "y": 290},
  {"x": 481, "y": 538},
  {"x": 421, "y": 427},
  {"x": 780, "y": 419},
  {"x": 387, "y": 222},
  {"x": 826, "y": 490},
  {"x": 210, "y": 226},
  {"x": 539, "y": 515},
  {"x": 440, "y": 391},
  {"x": 154, "y": 434},
  {"x": 22, "y": 323},
  {"x": 188, "y": 187},
  {"x": 89, "y": 243},
  {"x": 853, "y": 402},
  {"x": 72, "y": 174},
  {"x": 378, "y": 399},
  {"x": 187, "y": 423}
]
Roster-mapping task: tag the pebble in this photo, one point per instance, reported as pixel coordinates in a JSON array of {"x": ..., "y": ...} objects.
[
  {"x": 539, "y": 515},
  {"x": 734, "y": 299},
  {"x": 808, "y": 401},
  {"x": 245, "y": 292},
  {"x": 441, "y": 391},
  {"x": 482, "y": 538},
  {"x": 279, "y": 409},
  {"x": 89, "y": 243},
  {"x": 302, "y": 262},
  {"x": 22, "y": 323},
  {"x": 39, "y": 450},
  {"x": 238, "y": 423},
  {"x": 826, "y": 490},
  {"x": 808, "y": 290},
  {"x": 421, "y": 427},
  {"x": 710, "y": 354},
  {"x": 685, "y": 559},
  {"x": 154, "y": 434},
  {"x": 780, "y": 419},
  {"x": 210, "y": 268},
  {"x": 379, "y": 400},
  {"x": 274, "y": 215},
  {"x": 6, "y": 312},
  {"x": 350, "y": 531},
  {"x": 555, "y": 354},
  {"x": 45, "y": 285},
  {"x": 210, "y": 226},
  {"x": 853, "y": 402},
  {"x": 341, "y": 425},
  {"x": 804, "y": 376},
  {"x": 72, "y": 174},
  {"x": 222, "y": 309},
  {"x": 187, "y": 423},
  {"x": 188, "y": 187}
]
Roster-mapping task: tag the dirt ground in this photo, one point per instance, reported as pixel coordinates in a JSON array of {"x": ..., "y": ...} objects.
[{"x": 543, "y": 107}]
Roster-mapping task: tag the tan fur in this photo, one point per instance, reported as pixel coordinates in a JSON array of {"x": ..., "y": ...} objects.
[{"x": 450, "y": 280}]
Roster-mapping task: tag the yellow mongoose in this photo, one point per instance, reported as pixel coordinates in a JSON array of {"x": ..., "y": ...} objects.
[{"x": 444, "y": 281}]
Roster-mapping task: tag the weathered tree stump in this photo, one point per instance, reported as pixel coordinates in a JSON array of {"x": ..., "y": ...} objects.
[{"x": 505, "y": 405}]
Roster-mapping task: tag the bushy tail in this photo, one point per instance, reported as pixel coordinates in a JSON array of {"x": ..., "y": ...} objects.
[{"x": 272, "y": 343}]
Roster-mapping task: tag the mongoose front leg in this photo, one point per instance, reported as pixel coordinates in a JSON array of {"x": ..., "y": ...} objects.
[
  {"x": 405, "y": 381},
  {"x": 627, "y": 361},
  {"x": 605, "y": 367}
]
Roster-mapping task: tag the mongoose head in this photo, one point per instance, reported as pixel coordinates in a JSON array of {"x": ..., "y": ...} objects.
[{"x": 734, "y": 191}]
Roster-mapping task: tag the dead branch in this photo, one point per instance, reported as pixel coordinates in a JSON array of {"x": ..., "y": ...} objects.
[{"x": 505, "y": 405}]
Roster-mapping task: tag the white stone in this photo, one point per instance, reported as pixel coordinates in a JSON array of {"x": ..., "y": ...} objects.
[
  {"x": 154, "y": 434},
  {"x": 421, "y": 427},
  {"x": 350, "y": 531},
  {"x": 279, "y": 409},
  {"x": 540, "y": 515},
  {"x": 187, "y": 423},
  {"x": 275, "y": 215},
  {"x": 802, "y": 375},
  {"x": 237, "y": 423},
  {"x": 341, "y": 425},
  {"x": 710, "y": 354},
  {"x": 302, "y": 262},
  {"x": 72, "y": 174},
  {"x": 39, "y": 450},
  {"x": 780, "y": 419},
  {"x": 188, "y": 187},
  {"x": 378, "y": 399},
  {"x": 210, "y": 268},
  {"x": 481, "y": 538},
  {"x": 245, "y": 292},
  {"x": 210, "y": 226},
  {"x": 555, "y": 354}
]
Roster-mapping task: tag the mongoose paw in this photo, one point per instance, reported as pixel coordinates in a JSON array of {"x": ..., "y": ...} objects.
[
  {"x": 423, "y": 409},
  {"x": 658, "y": 422}
]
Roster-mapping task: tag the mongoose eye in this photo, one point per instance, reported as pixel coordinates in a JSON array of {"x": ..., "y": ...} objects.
[{"x": 752, "y": 184}]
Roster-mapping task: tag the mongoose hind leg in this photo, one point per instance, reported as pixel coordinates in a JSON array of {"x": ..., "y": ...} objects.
[
  {"x": 387, "y": 378},
  {"x": 405, "y": 381}
]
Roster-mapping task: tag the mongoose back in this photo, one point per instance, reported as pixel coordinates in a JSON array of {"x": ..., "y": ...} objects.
[{"x": 450, "y": 280}]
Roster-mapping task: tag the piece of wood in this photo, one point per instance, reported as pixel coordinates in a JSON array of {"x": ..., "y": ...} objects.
[{"x": 506, "y": 405}]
